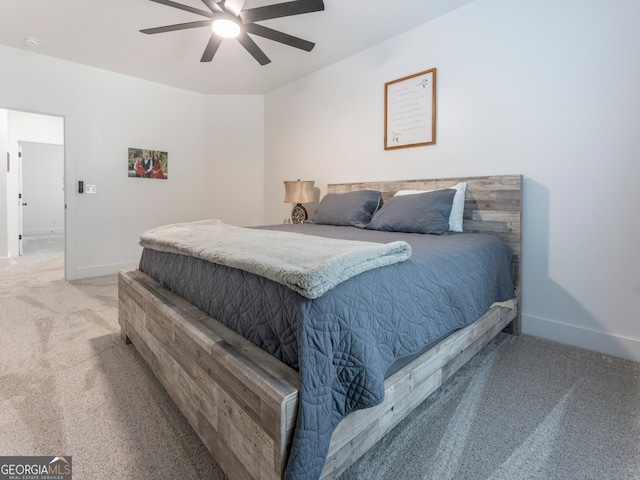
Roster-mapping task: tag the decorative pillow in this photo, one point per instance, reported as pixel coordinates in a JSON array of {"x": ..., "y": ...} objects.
[
  {"x": 457, "y": 211},
  {"x": 427, "y": 212},
  {"x": 351, "y": 208}
]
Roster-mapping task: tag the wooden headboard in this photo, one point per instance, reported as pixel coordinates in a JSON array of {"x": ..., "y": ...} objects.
[{"x": 493, "y": 205}]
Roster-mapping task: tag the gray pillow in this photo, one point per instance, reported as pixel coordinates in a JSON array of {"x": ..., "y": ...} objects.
[
  {"x": 352, "y": 208},
  {"x": 420, "y": 213}
]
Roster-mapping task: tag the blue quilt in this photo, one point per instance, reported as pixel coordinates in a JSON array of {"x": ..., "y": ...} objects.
[{"x": 343, "y": 342}]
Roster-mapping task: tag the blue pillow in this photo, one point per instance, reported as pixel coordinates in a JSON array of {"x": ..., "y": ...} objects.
[
  {"x": 351, "y": 208},
  {"x": 420, "y": 213}
]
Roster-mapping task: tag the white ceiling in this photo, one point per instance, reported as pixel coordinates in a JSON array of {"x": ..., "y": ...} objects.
[{"x": 105, "y": 34}]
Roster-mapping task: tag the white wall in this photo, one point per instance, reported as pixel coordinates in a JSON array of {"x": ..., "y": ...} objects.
[
  {"x": 548, "y": 89},
  {"x": 32, "y": 127},
  {"x": 234, "y": 143},
  {"x": 105, "y": 114}
]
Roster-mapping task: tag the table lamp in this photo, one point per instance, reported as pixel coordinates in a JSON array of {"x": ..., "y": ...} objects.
[{"x": 299, "y": 192}]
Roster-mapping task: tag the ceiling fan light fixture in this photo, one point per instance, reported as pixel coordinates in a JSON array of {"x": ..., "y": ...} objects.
[
  {"x": 230, "y": 19},
  {"x": 226, "y": 27}
]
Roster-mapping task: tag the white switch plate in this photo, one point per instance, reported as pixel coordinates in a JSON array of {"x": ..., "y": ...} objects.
[{"x": 90, "y": 189}]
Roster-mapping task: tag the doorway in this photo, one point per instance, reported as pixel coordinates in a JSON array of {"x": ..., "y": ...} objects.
[
  {"x": 35, "y": 201},
  {"x": 41, "y": 215}
]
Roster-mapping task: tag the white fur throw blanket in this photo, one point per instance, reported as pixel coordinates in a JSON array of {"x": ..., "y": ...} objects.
[{"x": 308, "y": 264}]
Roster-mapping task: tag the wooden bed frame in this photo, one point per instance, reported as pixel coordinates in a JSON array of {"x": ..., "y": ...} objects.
[{"x": 242, "y": 402}]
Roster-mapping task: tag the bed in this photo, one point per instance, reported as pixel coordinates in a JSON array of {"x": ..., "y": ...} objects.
[{"x": 243, "y": 402}]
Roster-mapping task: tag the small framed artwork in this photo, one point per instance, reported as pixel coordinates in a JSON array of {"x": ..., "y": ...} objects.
[
  {"x": 148, "y": 163},
  {"x": 410, "y": 111}
]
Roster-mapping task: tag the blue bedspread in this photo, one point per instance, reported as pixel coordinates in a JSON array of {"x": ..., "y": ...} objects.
[{"x": 343, "y": 342}]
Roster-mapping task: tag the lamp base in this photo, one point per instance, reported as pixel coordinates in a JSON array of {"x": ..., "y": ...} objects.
[{"x": 298, "y": 214}]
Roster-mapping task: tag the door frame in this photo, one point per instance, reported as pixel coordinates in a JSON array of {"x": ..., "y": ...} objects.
[
  {"x": 14, "y": 221},
  {"x": 20, "y": 204}
]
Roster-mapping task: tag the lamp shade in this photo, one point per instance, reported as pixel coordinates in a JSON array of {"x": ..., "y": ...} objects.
[{"x": 299, "y": 192}]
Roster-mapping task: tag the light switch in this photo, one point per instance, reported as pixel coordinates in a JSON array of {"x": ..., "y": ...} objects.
[{"x": 90, "y": 189}]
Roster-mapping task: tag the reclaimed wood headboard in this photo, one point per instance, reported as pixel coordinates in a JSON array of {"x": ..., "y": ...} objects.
[{"x": 493, "y": 205}]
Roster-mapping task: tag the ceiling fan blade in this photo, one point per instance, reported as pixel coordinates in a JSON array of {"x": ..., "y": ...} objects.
[
  {"x": 186, "y": 8},
  {"x": 251, "y": 47},
  {"x": 211, "y": 48},
  {"x": 213, "y": 6},
  {"x": 234, "y": 6},
  {"x": 179, "y": 26},
  {"x": 286, "y": 9},
  {"x": 277, "y": 36}
]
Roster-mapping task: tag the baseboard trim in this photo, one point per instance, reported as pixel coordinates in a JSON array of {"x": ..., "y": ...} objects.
[
  {"x": 44, "y": 231},
  {"x": 598, "y": 341},
  {"x": 98, "y": 270}
]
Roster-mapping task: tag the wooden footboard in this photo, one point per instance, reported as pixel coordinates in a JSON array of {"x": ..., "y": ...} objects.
[
  {"x": 242, "y": 402},
  {"x": 239, "y": 399}
]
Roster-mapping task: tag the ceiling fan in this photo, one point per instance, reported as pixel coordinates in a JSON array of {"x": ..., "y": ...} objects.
[{"x": 229, "y": 19}]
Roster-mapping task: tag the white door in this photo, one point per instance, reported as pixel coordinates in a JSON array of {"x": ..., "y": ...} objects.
[{"x": 42, "y": 187}]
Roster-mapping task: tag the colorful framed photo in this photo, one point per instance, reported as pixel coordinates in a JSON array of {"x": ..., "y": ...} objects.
[{"x": 148, "y": 163}]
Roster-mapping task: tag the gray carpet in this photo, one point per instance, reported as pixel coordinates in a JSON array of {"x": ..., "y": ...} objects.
[{"x": 523, "y": 408}]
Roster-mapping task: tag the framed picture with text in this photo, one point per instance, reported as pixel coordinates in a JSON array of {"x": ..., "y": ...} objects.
[{"x": 410, "y": 111}]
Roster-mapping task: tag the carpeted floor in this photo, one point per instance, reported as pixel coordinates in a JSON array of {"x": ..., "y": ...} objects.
[{"x": 523, "y": 408}]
